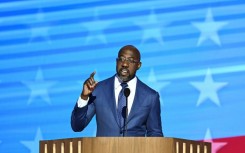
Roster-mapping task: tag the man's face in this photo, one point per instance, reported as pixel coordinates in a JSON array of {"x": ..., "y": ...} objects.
[{"x": 128, "y": 62}]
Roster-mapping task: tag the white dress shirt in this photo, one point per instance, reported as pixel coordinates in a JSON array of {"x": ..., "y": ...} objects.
[{"x": 117, "y": 89}]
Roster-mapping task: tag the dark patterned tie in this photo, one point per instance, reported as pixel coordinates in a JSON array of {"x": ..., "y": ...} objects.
[{"x": 121, "y": 109}]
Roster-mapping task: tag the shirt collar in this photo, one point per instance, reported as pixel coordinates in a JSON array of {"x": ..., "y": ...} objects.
[{"x": 130, "y": 83}]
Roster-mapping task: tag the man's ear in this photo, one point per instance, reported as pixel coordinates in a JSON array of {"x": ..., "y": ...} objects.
[{"x": 139, "y": 65}]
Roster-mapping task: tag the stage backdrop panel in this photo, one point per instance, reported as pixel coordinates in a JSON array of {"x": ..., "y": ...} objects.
[{"x": 193, "y": 54}]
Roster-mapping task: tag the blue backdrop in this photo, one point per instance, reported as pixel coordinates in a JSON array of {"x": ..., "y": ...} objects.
[{"x": 193, "y": 54}]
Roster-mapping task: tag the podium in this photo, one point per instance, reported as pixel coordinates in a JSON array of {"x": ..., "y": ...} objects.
[{"x": 123, "y": 145}]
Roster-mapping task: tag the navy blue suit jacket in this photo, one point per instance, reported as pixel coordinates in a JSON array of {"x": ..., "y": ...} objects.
[{"x": 144, "y": 118}]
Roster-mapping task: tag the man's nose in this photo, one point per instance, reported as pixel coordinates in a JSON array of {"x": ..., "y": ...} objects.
[{"x": 125, "y": 63}]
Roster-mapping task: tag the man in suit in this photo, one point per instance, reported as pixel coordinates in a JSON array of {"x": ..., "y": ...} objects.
[{"x": 105, "y": 99}]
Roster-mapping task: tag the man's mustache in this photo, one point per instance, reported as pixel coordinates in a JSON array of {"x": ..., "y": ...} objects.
[{"x": 124, "y": 69}]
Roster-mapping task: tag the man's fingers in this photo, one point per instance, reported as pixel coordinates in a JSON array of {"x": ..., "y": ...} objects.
[
  {"x": 91, "y": 78},
  {"x": 92, "y": 86},
  {"x": 92, "y": 74},
  {"x": 91, "y": 81}
]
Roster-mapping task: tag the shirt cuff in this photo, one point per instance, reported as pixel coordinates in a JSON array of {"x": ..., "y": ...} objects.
[{"x": 81, "y": 102}]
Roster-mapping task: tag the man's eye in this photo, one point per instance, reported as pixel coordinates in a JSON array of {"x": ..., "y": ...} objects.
[
  {"x": 122, "y": 59},
  {"x": 131, "y": 60}
]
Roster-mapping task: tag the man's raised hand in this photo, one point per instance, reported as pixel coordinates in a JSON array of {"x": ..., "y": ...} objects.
[{"x": 88, "y": 86}]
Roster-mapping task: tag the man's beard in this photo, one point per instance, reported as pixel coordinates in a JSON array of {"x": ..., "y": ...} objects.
[{"x": 124, "y": 78}]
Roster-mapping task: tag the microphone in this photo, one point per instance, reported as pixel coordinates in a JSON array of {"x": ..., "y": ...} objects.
[
  {"x": 126, "y": 92},
  {"x": 125, "y": 113}
]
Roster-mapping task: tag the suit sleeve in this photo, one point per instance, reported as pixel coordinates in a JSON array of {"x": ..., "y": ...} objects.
[
  {"x": 154, "y": 124},
  {"x": 81, "y": 117}
]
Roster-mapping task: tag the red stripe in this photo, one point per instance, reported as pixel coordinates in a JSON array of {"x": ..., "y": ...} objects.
[{"x": 234, "y": 144}]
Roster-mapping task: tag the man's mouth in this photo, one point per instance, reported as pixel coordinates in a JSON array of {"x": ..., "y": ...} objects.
[{"x": 124, "y": 72}]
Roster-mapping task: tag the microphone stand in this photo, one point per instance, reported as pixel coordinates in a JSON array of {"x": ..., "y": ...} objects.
[
  {"x": 126, "y": 94},
  {"x": 125, "y": 128}
]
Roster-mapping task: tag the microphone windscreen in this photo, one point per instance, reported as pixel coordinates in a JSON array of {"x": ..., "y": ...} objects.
[{"x": 126, "y": 92}]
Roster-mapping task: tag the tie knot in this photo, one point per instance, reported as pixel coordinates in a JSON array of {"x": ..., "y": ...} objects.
[{"x": 124, "y": 85}]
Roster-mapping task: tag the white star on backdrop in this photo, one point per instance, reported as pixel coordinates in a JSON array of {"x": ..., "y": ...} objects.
[
  {"x": 39, "y": 32},
  {"x": 39, "y": 87},
  {"x": 157, "y": 85},
  {"x": 209, "y": 29},
  {"x": 34, "y": 145},
  {"x": 96, "y": 28},
  {"x": 208, "y": 89},
  {"x": 215, "y": 145},
  {"x": 152, "y": 28}
]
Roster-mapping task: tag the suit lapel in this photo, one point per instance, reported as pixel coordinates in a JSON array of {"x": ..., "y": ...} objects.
[
  {"x": 112, "y": 105},
  {"x": 137, "y": 100}
]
